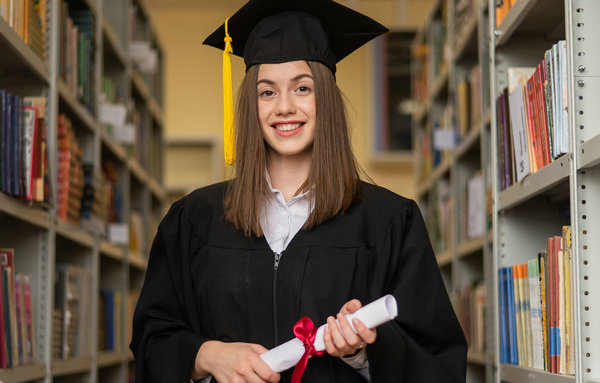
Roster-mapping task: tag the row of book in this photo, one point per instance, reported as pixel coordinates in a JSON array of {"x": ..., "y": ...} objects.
[
  {"x": 70, "y": 172},
  {"x": 72, "y": 312},
  {"x": 110, "y": 328},
  {"x": 536, "y": 309},
  {"x": 532, "y": 117},
  {"x": 468, "y": 101},
  {"x": 470, "y": 310},
  {"x": 77, "y": 52},
  {"x": 23, "y": 147},
  {"x": 28, "y": 19},
  {"x": 17, "y": 340},
  {"x": 502, "y": 8},
  {"x": 439, "y": 217}
]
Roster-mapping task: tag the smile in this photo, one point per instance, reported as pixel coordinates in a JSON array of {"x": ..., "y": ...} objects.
[{"x": 288, "y": 127}]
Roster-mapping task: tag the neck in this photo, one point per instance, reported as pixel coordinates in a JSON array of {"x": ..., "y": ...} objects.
[{"x": 288, "y": 173}]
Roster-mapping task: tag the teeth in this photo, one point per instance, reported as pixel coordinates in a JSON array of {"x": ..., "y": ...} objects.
[{"x": 287, "y": 127}]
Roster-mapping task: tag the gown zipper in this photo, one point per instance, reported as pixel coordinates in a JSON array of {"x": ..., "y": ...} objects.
[{"x": 275, "y": 268}]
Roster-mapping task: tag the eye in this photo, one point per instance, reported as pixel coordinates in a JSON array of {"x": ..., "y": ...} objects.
[
  {"x": 266, "y": 93},
  {"x": 303, "y": 89}
]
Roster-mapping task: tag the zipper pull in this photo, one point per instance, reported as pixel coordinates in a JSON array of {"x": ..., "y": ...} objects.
[{"x": 277, "y": 258}]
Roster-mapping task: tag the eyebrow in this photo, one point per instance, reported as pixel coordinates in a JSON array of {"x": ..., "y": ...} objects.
[{"x": 297, "y": 78}]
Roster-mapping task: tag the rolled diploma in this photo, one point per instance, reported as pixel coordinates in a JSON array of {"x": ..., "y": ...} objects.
[{"x": 372, "y": 315}]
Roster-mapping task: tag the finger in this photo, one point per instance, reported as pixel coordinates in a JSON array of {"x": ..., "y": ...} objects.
[
  {"x": 353, "y": 340},
  {"x": 329, "y": 346},
  {"x": 261, "y": 368},
  {"x": 350, "y": 306},
  {"x": 367, "y": 335},
  {"x": 338, "y": 338}
]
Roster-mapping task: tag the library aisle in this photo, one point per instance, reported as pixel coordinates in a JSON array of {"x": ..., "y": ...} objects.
[
  {"x": 81, "y": 184},
  {"x": 508, "y": 178}
]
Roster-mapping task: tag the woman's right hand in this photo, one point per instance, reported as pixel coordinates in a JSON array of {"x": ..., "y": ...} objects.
[{"x": 233, "y": 363}]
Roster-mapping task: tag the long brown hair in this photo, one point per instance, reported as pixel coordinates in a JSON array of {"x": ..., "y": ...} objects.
[{"x": 333, "y": 177}]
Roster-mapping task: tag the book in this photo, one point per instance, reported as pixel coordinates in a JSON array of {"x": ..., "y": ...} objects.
[
  {"x": 8, "y": 268},
  {"x": 512, "y": 319},
  {"x": 108, "y": 305},
  {"x": 3, "y": 328}
]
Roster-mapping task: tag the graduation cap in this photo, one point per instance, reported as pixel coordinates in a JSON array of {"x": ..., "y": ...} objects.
[{"x": 278, "y": 31}]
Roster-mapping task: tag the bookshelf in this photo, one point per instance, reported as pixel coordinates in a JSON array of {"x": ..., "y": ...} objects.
[
  {"x": 451, "y": 91},
  {"x": 565, "y": 190},
  {"x": 120, "y": 162}
]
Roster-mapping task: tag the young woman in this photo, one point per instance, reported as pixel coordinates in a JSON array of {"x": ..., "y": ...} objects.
[{"x": 295, "y": 233}]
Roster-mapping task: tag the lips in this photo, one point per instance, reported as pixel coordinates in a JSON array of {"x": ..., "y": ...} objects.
[{"x": 288, "y": 126}]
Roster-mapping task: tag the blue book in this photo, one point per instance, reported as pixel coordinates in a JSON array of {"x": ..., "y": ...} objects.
[
  {"x": 8, "y": 140},
  {"x": 502, "y": 294},
  {"x": 108, "y": 298},
  {"x": 512, "y": 324},
  {"x": 3, "y": 139},
  {"x": 20, "y": 140},
  {"x": 15, "y": 145},
  {"x": 9, "y": 356}
]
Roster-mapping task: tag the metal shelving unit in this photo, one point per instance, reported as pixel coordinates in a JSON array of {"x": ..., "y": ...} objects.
[
  {"x": 40, "y": 239},
  {"x": 528, "y": 212}
]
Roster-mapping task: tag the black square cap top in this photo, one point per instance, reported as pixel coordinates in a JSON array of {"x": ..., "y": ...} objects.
[{"x": 277, "y": 31}]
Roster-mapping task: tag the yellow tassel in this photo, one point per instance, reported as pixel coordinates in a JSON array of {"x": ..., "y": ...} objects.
[{"x": 229, "y": 137}]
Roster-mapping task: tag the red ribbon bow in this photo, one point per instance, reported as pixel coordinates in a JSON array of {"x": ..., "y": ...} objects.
[{"x": 305, "y": 330}]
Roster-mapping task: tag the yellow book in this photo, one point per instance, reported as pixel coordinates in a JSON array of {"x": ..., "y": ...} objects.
[{"x": 542, "y": 259}]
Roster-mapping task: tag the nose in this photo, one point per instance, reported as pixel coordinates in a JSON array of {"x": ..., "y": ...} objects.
[{"x": 285, "y": 104}]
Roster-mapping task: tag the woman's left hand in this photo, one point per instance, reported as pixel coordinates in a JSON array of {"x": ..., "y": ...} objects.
[{"x": 347, "y": 342}]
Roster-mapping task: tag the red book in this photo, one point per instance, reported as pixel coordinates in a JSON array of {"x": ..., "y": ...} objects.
[
  {"x": 541, "y": 111},
  {"x": 533, "y": 130},
  {"x": 3, "y": 351}
]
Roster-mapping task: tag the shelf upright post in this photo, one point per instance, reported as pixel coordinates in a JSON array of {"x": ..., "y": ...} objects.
[
  {"x": 583, "y": 40},
  {"x": 45, "y": 318}
]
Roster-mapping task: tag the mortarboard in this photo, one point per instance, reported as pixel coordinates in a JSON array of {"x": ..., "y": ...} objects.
[{"x": 278, "y": 31}]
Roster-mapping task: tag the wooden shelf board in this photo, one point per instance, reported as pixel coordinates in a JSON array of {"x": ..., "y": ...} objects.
[
  {"x": 535, "y": 183},
  {"x": 420, "y": 111},
  {"x": 137, "y": 171},
  {"x": 74, "y": 233},
  {"x": 115, "y": 148},
  {"x": 156, "y": 112},
  {"x": 110, "y": 358},
  {"x": 442, "y": 168},
  {"x": 112, "y": 250},
  {"x": 531, "y": 17},
  {"x": 476, "y": 357},
  {"x": 114, "y": 43},
  {"x": 18, "y": 209},
  {"x": 92, "y": 6},
  {"x": 589, "y": 153},
  {"x": 468, "y": 141},
  {"x": 71, "y": 366},
  {"x": 439, "y": 84},
  {"x": 157, "y": 190},
  {"x": 470, "y": 246},
  {"x": 24, "y": 373},
  {"x": 16, "y": 54},
  {"x": 80, "y": 112},
  {"x": 137, "y": 260},
  {"x": 140, "y": 85},
  {"x": 444, "y": 258},
  {"x": 517, "y": 374}
]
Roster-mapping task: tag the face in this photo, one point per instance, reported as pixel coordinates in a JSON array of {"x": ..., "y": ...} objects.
[{"x": 287, "y": 108}]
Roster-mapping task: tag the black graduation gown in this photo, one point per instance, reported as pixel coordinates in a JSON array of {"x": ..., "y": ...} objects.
[{"x": 207, "y": 281}]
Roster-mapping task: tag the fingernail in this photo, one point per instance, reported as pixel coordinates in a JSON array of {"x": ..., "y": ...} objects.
[{"x": 355, "y": 321}]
